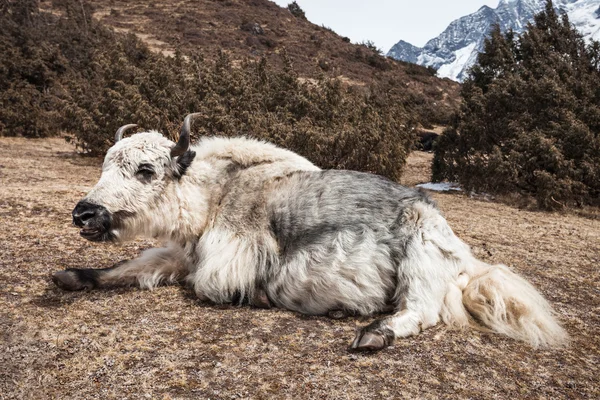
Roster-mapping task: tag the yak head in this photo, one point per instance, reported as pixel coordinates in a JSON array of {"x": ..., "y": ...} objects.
[{"x": 135, "y": 190}]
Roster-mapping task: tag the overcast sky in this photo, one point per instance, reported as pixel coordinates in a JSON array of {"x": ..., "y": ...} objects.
[{"x": 385, "y": 22}]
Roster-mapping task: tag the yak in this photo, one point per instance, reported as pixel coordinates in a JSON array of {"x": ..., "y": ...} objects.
[{"x": 246, "y": 221}]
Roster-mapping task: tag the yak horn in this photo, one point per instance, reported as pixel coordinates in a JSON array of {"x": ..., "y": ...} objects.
[
  {"x": 183, "y": 144},
  {"x": 121, "y": 130}
]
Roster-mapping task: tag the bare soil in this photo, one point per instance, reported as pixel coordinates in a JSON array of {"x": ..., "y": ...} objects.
[{"x": 131, "y": 343}]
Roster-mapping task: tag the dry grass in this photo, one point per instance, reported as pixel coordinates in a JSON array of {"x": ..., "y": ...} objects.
[{"x": 129, "y": 343}]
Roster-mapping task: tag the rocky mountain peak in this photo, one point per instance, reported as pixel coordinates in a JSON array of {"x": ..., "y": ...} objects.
[{"x": 455, "y": 50}]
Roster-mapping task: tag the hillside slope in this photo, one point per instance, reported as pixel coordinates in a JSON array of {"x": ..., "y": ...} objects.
[{"x": 256, "y": 28}]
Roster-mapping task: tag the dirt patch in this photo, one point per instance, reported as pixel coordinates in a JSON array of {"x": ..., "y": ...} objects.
[
  {"x": 129, "y": 343},
  {"x": 417, "y": 169}
]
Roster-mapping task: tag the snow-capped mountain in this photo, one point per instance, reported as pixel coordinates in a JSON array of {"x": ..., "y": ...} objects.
[{"x": 456, "y": 49}]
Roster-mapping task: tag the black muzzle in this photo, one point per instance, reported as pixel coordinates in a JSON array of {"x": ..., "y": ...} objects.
[{"x": 94, "y": 221}]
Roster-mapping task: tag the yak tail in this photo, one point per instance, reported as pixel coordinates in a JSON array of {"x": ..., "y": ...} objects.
[
  {"x": 489, "y": 297},
  {"x": 502, "y": 301}
]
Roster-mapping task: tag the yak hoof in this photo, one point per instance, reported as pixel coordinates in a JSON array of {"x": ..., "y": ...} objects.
[
  {"x": 337, "y": 314},
  {"x": 372, "y": 340},
  {"x": 71, "y": 280},
  {"x": 260, "y": 300}
]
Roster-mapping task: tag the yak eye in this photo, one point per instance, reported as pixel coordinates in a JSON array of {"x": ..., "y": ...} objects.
[{"x": 145, "y": 173}]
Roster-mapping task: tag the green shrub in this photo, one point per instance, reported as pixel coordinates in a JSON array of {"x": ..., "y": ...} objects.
[
  {"x": 370, "y": 54},
  {"x": 530, "y": 119},
  {"x": 371, "y": 46},
  {"x": 333, "y": 125},
  {"x": 296, "y": 10},
  {"x": 73, "y": 74}
]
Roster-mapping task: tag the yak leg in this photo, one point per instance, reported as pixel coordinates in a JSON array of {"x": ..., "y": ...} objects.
[
  {"x": 433, "y": 259},
  {"x": 153, "y": 267},
  {"x": 409, "y": 320},
  {"x": 260, "y": 299},
  {"x": 382, "y": 332},
  {"x": 417, "y": 310}
]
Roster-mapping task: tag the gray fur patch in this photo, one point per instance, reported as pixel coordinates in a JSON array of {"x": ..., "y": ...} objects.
[{"x": 327, "y": 222}]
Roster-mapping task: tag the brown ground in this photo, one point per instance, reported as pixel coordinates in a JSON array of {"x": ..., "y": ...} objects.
[{"x": 129, "y": 343}]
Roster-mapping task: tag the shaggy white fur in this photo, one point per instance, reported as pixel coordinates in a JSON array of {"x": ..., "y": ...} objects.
[{"x": 249, "y": 220}]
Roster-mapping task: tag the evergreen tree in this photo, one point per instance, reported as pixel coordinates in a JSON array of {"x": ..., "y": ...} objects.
[
  {"x": 70, "y": 73},
  {"x": 530, "y": 120},
  {"x": 296, "y": 10}
]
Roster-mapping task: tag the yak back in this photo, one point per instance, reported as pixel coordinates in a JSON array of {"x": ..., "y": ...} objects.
[{"x": 306, "y": 206}]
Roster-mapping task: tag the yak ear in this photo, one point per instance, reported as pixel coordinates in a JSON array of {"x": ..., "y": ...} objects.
[{"x": 183, "y": 162}]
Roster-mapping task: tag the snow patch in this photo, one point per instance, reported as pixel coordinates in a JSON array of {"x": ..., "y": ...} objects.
[
  {"x": 429, "y": 60},
  {"x": 456, "y": 67},
  {"x": 440, "y": 187},
  {"x": 583, "y": 15}
]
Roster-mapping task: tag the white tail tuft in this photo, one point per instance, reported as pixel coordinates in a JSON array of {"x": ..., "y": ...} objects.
[
  {"x": 506, "y": 303},
  {"x": 488, "y": 297}
]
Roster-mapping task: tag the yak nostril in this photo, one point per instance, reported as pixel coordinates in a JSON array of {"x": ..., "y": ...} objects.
[
  {"x": 84, "y": 212},
  {"x": 86, "y": 215}
]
